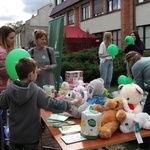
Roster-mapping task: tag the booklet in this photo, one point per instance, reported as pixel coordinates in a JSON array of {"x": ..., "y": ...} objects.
[
  {"x": 65, "y": 114},
  {"x": 72, "y": 138},
  {"x": 57, "y": 118},
  {"x": 70, "y": 129}
]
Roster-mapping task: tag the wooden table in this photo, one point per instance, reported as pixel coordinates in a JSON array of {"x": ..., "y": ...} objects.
[{"x": 116, "y": 138}]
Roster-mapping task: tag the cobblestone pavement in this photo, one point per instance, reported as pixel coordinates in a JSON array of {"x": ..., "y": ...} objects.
[{"x": 48, "y": 142}]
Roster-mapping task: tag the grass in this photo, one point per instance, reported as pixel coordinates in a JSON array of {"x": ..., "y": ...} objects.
[
  {"x": 123, "y": 146},
  {"x": 114, "y": 88},
  {"x": 126, "y": 146}
]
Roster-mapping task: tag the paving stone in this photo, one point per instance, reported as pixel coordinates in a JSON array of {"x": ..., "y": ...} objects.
[{"x": 48, "y": 140}]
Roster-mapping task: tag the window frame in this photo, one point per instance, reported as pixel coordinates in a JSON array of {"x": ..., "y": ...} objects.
[
  {"x": 113, "y": 5},
  {"x": 142, "y": 1},
  {"x": 70, "y": 17},
  {"x": 58, "y": 2},
  {"x": 116, "y": 34},
  {"x": 85, "y": 11},
  {"x": 142, "y": 30},
  {"x": 99, "y": 4}
]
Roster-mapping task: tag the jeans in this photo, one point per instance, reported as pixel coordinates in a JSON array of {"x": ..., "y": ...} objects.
[
  {"x": 106, "y": 72},
  {"x": 31, "y": 146},
  {"x": 146, "y": 141}
]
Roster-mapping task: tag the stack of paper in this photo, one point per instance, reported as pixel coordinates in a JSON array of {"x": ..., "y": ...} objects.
[
  {"x": 57, "y": 118},
  {"x": 70, "y": 129},
  {"x": 72, "y": 138}
]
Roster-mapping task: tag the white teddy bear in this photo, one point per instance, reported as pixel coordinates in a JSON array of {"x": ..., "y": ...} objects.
[
  {"x": 65, "y": 87},
  {"x": 132, "y": 96},
  {"x": 127, "y": 126}
]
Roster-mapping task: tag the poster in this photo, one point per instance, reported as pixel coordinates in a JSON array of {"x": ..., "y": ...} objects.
[{"x": 56, "y": 32}]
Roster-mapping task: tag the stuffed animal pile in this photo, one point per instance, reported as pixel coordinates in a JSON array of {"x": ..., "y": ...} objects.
[
  {"x": 121, "y": 112},
  {"x": 117, "y": 112},
  {"x": 95, "y": 90}
]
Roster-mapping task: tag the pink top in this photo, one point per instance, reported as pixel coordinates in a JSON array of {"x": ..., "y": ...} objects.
[{"x": 3, "y": 74}]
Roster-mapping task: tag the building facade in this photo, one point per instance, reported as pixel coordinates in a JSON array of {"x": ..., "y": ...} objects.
[
  {"x": 24, "y": 36},
  {"x": 97, "y": 16}
]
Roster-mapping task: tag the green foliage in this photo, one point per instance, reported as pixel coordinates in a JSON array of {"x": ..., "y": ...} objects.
[
  {"x": 88, "y": 62},
  {"x": 16, "y": 25},
  {"x": 119, "y": 67},
  {"x": 84, "y": 60}
]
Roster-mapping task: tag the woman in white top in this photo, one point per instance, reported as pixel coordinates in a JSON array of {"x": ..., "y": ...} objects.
[{"x": 106, "y": 61}]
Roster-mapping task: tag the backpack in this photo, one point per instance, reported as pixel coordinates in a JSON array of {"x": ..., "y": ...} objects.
[{"x": 48, "y": 53}]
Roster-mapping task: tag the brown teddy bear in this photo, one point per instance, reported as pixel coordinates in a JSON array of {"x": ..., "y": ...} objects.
[{"x": 109, "y": 122}]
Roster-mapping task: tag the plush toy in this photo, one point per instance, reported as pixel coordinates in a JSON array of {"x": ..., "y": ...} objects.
[
  {"x": 65, "y": 87},
  {"x": 95, "y": 90},
  {"x": 80, "y": 82},
  {"x": 80, "y": 89},
  {"x": 109, "y": 123},
  {"x": 98, "y": 107},
  {"x": 71, "y": 95},
  {"x": 128, "y": 123},
  {"x": 132, "y": 96},
  {"x": 107, "y": 94}
]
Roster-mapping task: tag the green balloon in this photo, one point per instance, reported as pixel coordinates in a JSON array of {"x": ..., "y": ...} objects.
[
  {"x": 129, "y": 40},
  {"x": 129, "y": 80},
  {"x": 122, "y": 79},
  {"x": 113, "y": 50},
  {"x": 12, "y": 58}
]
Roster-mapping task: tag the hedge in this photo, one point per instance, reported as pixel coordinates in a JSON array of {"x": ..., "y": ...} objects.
[{"x": 88, "y": 62}]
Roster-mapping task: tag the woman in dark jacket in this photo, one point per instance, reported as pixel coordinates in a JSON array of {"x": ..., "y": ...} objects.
[{"x": 137, "y": 45}]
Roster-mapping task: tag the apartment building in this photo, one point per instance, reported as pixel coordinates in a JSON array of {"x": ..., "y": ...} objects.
[
  {"x": 97, "y": 16},
  {"x": 24, "y": 36}
]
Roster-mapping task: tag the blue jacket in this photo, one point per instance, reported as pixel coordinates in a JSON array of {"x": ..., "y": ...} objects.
[{"x": 96, "y": 99}]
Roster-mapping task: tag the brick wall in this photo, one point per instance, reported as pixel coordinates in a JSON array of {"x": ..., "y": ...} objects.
[{"x": 127, "y": 18}]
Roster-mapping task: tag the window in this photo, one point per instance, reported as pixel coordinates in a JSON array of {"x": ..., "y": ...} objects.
[
  {"x": 144, "y": 33},
  {"x": 85, "y": 11},
  {"x": 147, "y": 37},
  {"x": 116, "y": 37},
  {"x": 58, "y": 2},
  {"x": 113, "y": 5},
  {"x": 70, "y": 17},
  {"x": 98, "y": 7},
  {"x": 141, "y": 1}
]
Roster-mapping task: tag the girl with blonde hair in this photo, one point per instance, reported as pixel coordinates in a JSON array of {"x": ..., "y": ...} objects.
[{"x": 106, "y": 61}]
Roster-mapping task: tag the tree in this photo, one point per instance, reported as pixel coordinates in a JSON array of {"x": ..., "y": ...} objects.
[{"x": 16, "y": 25}]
